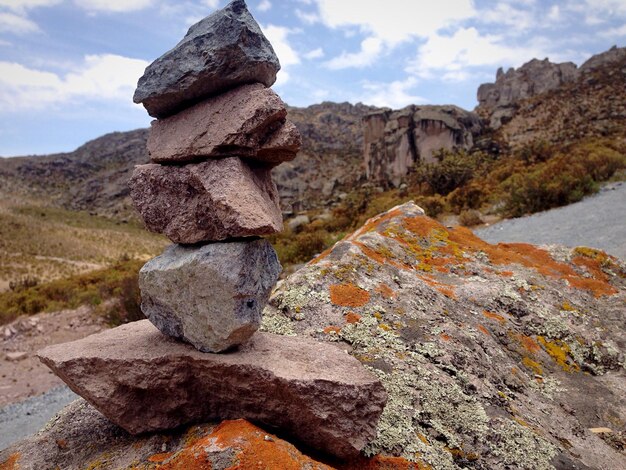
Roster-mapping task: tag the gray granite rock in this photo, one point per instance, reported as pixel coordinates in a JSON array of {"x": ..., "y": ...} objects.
[
  {"x": 224, "y": 50},
  {"x": 209, "y": 201},
  {"x": 211, "y": 296},
  {"x": 144, "y": 382}
]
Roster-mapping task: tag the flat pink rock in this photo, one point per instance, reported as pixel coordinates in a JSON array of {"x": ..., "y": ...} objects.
[
  {"x": 248, "y": 122},
  {"x": 144, "y": 381},
  {"x": 209, "y": 201}
]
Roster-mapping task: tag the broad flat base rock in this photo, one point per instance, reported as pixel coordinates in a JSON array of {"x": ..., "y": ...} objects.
[
  {"x": 211, "y": 296},
  {"x": 144, "y": 381},
  {"x": 224, "y": 50},
  {"x": 209, "y": 201},
  {"x": 248, "y": 121}
]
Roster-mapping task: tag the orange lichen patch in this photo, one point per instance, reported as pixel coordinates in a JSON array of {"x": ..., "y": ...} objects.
[
  {"x": 348, "y": 295},
  {"x": 11, "y": 463},
  {"x": 506, "y": 273},
  {"x": 514, "y": 370},
  {"x": 332, "y": 329},
  {"x": 422, "y": 438},
  {"x": 559, "y": 351},
  {"x": 448, "y": 292},
  {"x": 381, "y": 462},
  {"x": 321, "y": 256},
  {"x": 253, "y": 449},
  {"x": 532, "y": 365},
  {"x": 494, "y": 316},
  {"x": 568, "y": 307},
  {"x": 445, "y": 336},
  {"x": 381, "y": 256},
  {"x": 527, "y": 342},
  {"x": 463, "y": 240},
  {"x": 484, "y": 330},
  {"x": 375, "y": 223},
  {"x": 352, "y": 318},
  {"x": 385, "y": 291},
  {"x": 158, "y": 458}
]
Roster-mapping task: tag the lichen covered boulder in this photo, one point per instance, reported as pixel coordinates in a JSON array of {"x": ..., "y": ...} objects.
[
  {"x": 224, "y": 50},
  {"x": 494, "y": 356},
  {"x": 211, "y": 296}
]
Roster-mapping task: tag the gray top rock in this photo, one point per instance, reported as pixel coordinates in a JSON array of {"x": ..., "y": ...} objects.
[{"x": 224, "y": 50}]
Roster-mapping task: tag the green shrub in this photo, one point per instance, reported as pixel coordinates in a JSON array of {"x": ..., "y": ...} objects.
[{"x": 86, "y": 289}]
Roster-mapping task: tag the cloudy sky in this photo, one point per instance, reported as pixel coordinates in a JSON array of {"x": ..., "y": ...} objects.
[{"x": 68, "y": 68}]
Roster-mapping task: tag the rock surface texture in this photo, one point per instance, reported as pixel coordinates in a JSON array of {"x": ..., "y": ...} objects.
[
  {"x": 248, "y": 121},
  {"x": 211, "y": 296},
  {"x": 224, "y": 50},
  {"x": 80, "y": 437},
  {"x": 511, "y": 354},
  {"x": 212, "y": 200},
  {"x": 145, "y": 382},
  {"x": 394, "y": 141}
]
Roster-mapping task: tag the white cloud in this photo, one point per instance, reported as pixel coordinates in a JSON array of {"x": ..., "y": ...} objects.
[
  {"x": 468, "y": 48},
  {"x": 104, "y": 77},
  {"x": 315, "y": 54},
  {"x": 385, "y": 30},
  {"x": 12, "y": 23},
  {"x": 113, "y": 6},
  {"x": 395, "y": 21},
  {"x": 23, "y": 5},
  {"x": 307, "y": 18},
  {"x": 370, "y": 50},
  {"x": 265, "y": 5},
  {"x": 504, "y": 13},
  {"x": 614, "y": 32},
  {"x": 279, "y": 38},
  {"x": 211, "y": 3},
  {"x": 393, "y": 95}
]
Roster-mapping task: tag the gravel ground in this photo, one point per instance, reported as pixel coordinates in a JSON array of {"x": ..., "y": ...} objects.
[
  {"x": 20, "y": 420},
  {"x": 598, "y": 221}
]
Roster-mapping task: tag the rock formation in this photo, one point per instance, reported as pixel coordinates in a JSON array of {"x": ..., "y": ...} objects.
[
  {"x": 212, "y": 296},
  {"x": 212, "y": 200},
  {"x": 494, "y": 356},
  {"x": 210, "y": 190},
  {"x": 248, "y": 121},
  {"x": 497, "y": 100},
  {"x": 201, "y": 65},
  {"x": 394, "y": 141},
  {"x": 314, "y": 391}
]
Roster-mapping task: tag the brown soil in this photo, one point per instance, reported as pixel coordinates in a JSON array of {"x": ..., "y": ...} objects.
[{"x": 25, "y": 377}]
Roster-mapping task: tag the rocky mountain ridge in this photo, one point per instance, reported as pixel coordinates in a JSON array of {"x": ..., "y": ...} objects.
[
  {"x": 498, "y": 102},
  {"x": 346, "y": 146}
]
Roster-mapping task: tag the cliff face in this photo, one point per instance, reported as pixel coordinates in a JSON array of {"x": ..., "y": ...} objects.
[
  {"x": 591, "y": 105},
  {"x": 497, "y": 100},
  {"x": 503, "y": 100},
  {"x": 394, "y": 141}
]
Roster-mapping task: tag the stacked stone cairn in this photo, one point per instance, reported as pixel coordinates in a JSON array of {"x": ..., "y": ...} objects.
[{"x": 219, "y": 132}]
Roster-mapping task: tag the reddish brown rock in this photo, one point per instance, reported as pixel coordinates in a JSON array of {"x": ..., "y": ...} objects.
[
  {"x": 248, "y": 121},
  {"x": 212, "y": 200},
  {"x": 144, "y": 381}
]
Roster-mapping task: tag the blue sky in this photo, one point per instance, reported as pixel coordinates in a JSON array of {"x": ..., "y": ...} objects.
[{"x": 68, "y": 68}]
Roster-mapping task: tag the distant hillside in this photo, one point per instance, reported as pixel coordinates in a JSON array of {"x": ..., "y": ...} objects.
[
  {"x": 94, "y": 176},
  {"x": 541, "y": 101}
]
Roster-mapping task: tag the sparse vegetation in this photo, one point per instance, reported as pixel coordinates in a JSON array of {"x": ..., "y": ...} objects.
[
  {"x": 40, "y": 243},
  {"x": 114, "y": 291}
]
